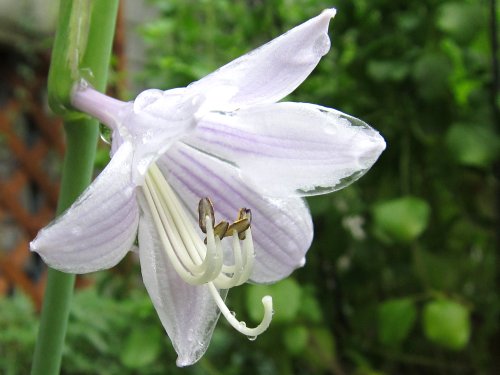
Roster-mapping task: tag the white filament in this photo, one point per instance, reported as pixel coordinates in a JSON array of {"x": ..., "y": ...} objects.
[
  {"x": 267, "y": 302},
  {"x": 191, "y": 272},
  {"x": 195, "y": 262}
]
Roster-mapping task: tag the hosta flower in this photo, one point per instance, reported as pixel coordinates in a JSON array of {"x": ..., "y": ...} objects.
[{"x": 208, "y": 179}]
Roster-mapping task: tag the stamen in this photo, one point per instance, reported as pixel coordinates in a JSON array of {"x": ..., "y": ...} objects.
[
  {"x": 244, "y": 213},
  {"x": 182, "y": 264},
  {"x": 200, "y": 263},
  {"x": 183, "y": 222},
  {"x": 205, "y": 208},
  {"x": 239, "y": 226},
  {"x": 221, "y": 229},
  {"x": 267, "y": 302},
  {"x": 249, "y": 257},
  {"x": 227, "y": 282}
]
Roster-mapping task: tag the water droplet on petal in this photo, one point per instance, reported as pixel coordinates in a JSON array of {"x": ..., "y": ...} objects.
[
  {"x": 146, "y": 98},
  {"x": 243, "y": 324},
  {"x": 252, "y": 338}
]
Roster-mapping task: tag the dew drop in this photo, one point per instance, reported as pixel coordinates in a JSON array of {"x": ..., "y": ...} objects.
[
  {"x": 146, "y": 98},
  {"x": 233, "y": 313},
  {"x": 86, "y": 75},
  {"x": 243, "y": 324},
  {"x": 252, "y": 338},
  {"x": 83, "y": 84},
  {"x": 105, "y": 134}
]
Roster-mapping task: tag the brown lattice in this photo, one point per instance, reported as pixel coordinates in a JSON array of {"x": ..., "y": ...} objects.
[{"x": 32, "y": 147}]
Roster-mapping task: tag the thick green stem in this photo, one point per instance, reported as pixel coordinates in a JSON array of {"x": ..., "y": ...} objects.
[{"x": 82, "y": 49}]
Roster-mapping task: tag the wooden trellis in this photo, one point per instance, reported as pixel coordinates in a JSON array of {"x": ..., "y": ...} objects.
[
  {"x": 32, "y": 147},
  {"x": 31, "y": 150}
]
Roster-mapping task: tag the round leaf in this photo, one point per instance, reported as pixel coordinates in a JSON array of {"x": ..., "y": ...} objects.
[
  {"x": 472, "y": 145},
  {"x": 395, "y": 320},
  {"x": 401, "y": 220},
  {"x": 447, "y": 323}
]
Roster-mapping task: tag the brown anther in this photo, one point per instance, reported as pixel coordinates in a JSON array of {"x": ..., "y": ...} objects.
[
  {"x": 240, "y": 226},
  {"x": 245, "y": 213},
  {"x": 220, "y": 230},
  {"x": 205, "y": 208}
]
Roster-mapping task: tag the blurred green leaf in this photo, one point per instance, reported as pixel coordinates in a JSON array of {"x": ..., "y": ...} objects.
[
  {"x": 438, "y": 271},
  {"x": 472, "y": 144},
  {"x": 295, "y": 339},
  {"x": 319, "y": 204},
  {"x": 400, "y": 220},
  {"x": 460, "y": 20},
  {"x": 310, "y": 308},
  {"x": 321, "y": 350},
  {"x": 431, "y": 73},
  {"x": 395, "y": 320},
  {"x": 447, "y": 323},
  {"x": 389, "y": 70},
  {"x": 286, "y": 300},
  {"x": 142, "y": 347}
]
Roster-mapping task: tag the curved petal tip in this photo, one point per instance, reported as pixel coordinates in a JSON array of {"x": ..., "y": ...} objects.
[{"x": 330, "y": 12}]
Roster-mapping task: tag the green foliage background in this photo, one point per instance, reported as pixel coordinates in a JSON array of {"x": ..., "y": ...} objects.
[{"x": 402, "y": 277}]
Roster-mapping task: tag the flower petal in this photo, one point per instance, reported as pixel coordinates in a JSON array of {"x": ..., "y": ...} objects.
[
  {"x": 270, "y": 72},
  {"x": 187, "y": 312},
  {"x": 98, "y": 230},
  {"x": 291, "y": 148},
  {"x": 282, "y": 228},
  {"x": 153, "y": 122}
]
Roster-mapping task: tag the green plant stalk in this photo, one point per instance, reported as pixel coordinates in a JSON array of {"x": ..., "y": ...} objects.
[{"x": 82, "y": 49}]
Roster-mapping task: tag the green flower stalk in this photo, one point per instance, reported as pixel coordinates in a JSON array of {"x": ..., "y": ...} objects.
[{"x": 82, "y": 49}]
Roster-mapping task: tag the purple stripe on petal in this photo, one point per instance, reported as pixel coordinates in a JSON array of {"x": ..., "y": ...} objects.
[
  {"x": 289, "y": 149},
  {"x": 280, "y": 232},
  {"x": 113, "y": 222},
  {"x": 241, "y": 197}
]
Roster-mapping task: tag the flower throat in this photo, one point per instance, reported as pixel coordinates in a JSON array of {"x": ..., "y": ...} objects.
[{"x": 200, "y": 262}]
